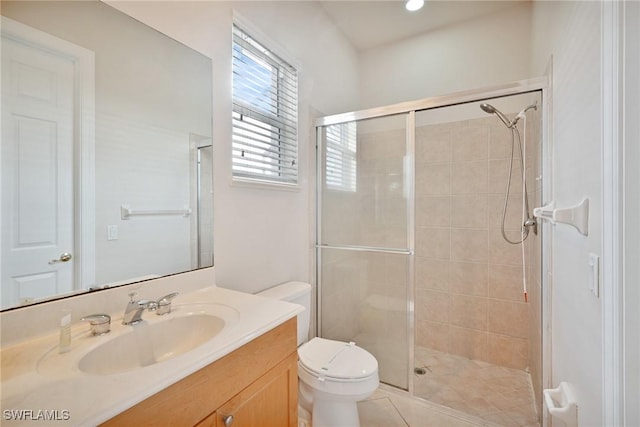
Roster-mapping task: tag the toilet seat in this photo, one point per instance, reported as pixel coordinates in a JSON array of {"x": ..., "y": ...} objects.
[{"x": 337, "y": 361}]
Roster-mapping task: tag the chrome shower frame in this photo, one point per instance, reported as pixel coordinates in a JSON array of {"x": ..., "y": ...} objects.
[
  {"x": 516, "y": 88},
  {"x": 540, "y": 84}
]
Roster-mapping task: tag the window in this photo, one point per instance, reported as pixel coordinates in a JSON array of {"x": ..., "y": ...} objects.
[
  {"x": 340, "y": 159},
  {"x": 265, "y": 113}
]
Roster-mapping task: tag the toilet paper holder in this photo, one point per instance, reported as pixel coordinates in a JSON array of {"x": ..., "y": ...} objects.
[{"x": 561, "y": 404}]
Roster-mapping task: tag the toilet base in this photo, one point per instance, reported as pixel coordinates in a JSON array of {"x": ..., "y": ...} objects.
[
  {"x": 304, "y": 417},
  {"x": 334, "y": 413}
]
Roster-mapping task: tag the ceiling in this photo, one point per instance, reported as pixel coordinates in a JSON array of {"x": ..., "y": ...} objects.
[{"x": 369, "y": 24}]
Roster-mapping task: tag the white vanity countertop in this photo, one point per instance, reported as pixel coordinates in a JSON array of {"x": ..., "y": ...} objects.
[{"x": 82, "y": 399}]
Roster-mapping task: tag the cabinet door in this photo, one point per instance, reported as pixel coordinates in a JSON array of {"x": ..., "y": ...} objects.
[
  {"x": 270, "y": 401},
  {"x": 210, "y": 421}
]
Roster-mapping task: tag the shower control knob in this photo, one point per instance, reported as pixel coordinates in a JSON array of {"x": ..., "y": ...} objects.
[{"x": 227, "y": 420}]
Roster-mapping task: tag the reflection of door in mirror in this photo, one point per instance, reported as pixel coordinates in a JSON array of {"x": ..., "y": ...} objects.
[{"x": 39, "y": 117}]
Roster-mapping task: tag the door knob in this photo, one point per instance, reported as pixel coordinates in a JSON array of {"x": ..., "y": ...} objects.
[
  {"x": 227, "y": 420},
  {"x": 63, "y": 258}
]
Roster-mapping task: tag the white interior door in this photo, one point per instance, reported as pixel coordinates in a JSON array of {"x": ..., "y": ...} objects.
[{"x": 37, "y": 173}]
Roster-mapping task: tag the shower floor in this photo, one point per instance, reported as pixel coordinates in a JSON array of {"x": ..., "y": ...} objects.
[{"x": 503, "y": 396}]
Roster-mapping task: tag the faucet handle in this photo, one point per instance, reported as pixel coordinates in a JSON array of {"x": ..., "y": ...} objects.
[
  {"x": 164, "y": 304},
  {"x": 99, "y": 323},
  {"x": 167, "y": 298},
  {"x": 131, "y": 295}
]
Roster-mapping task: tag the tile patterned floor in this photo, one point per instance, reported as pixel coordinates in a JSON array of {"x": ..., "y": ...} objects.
[
  {"x": 492, "y": 393},
  {"x": 454, "y": 392},
  {"x": 392, "y": 409},
  {"x": 388, "y": 407}
]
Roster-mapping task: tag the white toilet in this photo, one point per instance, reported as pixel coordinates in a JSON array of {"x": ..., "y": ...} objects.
[{"x": 333, "y": 375}]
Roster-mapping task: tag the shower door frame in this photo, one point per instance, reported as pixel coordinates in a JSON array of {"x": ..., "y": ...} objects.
[{"x": 539, "y": 84}]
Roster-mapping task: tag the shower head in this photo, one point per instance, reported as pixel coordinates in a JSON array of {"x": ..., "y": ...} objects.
[{"x": 490, "y": 109}]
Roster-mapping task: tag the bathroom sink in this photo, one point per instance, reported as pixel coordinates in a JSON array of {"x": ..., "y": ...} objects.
[
  {"x": 125, "y": 348},
  {"x": 147, "y": 344}
]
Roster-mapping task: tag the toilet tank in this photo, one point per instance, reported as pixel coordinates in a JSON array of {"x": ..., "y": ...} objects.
[{"x": 297, "y": 293}]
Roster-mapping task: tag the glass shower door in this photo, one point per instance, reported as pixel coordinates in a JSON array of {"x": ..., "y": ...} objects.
[{"x": 364, "y": 240}]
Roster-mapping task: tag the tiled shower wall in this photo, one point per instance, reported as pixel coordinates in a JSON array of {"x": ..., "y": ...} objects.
[{"x": 469, "y": 294}]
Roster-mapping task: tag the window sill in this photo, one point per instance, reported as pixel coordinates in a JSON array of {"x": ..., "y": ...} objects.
[{"x": 263, "y": 185}]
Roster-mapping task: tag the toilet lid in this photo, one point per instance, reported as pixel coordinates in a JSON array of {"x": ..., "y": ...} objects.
[{"x": 337, "y": 359}]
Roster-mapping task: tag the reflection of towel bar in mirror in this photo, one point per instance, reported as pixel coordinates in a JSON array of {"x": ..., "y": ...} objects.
[{"x": 126, "y": 212}]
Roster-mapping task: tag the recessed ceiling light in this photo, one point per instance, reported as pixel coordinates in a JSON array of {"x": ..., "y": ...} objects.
[{"x": 413, "y": 5}]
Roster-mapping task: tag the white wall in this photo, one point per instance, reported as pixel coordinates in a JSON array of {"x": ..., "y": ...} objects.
[
  {"x": 490, "y": 50},
  {"x": 570, "y": 32},
  {"x": 261, "y": 235}
]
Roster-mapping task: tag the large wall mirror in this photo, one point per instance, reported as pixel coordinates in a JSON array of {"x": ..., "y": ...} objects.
[{"x": 106, "y": 152}]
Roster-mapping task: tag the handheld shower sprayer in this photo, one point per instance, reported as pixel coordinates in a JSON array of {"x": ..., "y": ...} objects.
[
  {"x": 528, "y": 221},
  {"x": 490, "y": 109}
]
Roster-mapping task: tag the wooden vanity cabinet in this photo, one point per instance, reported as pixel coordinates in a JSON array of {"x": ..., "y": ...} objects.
[
  {"x": 263, "y": 403},
  {"x": 256, "y": 384}
]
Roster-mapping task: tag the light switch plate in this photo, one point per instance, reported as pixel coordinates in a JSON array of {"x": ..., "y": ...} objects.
[{"x": 112, "y": 232}]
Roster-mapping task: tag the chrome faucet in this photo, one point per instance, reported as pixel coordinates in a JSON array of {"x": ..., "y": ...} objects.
[
  {"x": 164, "y": 304},
  {"x": 134, "y": 309}
]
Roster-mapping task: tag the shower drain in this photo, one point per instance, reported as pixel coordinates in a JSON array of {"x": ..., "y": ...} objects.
[{"x": 419, "y": 371}]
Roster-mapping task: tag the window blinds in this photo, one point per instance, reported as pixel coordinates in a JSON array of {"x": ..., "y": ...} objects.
[
  {"x": 265, "y": 113},
  {"x": 341, "y": 145}
]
